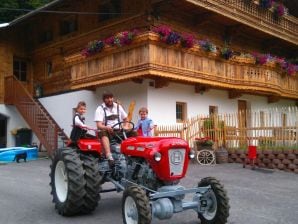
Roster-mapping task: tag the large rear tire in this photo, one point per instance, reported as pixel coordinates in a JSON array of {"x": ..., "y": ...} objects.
[
  {"x": 217, "y": 210},
  {"x": 93, "y": 178},
  {"x": 67, "y": 182},
  {"x": 135, "y": 206}
]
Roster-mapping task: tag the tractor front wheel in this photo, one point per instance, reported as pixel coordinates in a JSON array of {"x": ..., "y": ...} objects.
[
  {"x": 67, "y": 182},
  {"x": 135, "y": 206},
  {"x": 217, "y": 209}
]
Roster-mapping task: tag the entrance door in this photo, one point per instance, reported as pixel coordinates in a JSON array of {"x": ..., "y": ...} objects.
[{"x": 3, "y": 132}]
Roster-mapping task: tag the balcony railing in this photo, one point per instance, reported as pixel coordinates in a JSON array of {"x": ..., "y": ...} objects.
[
  {"x": 249, "y": 13},
  {"x": 148, "y": 56}
]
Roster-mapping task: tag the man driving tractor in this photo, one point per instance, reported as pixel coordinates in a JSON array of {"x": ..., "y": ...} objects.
[{"x": 106, "y": 116}]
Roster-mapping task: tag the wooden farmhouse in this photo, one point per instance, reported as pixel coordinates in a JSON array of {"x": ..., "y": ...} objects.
[{"x": 179, "y": 58}]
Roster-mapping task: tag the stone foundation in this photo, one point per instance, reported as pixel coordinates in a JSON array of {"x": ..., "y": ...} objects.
[{"x": 286, "y": 159}]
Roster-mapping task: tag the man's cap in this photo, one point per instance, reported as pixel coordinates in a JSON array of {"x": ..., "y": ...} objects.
[{"x": 107, "y": 94}]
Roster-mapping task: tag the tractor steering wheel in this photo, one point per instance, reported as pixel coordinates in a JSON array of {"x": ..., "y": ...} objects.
[{"x": 119, "y": 129}]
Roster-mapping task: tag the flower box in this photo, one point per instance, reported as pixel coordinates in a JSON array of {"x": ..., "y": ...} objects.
[
  {"x": 245, "y": 60},
  {"x": 204, "y": 143}
]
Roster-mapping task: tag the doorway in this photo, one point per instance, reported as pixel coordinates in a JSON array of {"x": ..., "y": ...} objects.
[{"x": 3, "y": 131}]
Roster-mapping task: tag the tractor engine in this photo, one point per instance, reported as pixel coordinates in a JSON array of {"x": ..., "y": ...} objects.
[{"x": 139, "y": 171}]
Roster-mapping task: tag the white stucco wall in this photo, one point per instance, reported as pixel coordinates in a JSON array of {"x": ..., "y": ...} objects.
[
  {"x": 161, "y": 103},
  {"x": 14, "y": 121},
  {"x": 61, "y": 107}
]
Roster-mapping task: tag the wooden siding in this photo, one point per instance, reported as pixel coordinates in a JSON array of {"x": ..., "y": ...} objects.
[
  {"x": 147, "y": 56},
  {"x": 204, "y": 19}
]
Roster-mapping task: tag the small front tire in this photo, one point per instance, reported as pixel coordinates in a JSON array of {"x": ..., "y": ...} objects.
[
  {"x": 135, "y": 206},
  {"x": 217, "y": 210}
]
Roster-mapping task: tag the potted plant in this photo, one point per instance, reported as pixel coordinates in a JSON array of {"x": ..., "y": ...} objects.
[
  {"x": 279, "y": 10},
  {"x": 122, "y": 38},
  {"x": 187, "y": 40},
  {"x": 204, "y": 143},
  {"x": 93, "y": 47},
  {"x": 226, "y": 52},
  {"x": 167, "y": 35},
  {"x": 207, "y": 46}
]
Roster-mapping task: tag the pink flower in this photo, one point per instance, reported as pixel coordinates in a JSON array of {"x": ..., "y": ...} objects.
[
  {"x": 164, "y": 31},
  {"x": 187, "y": 40}
]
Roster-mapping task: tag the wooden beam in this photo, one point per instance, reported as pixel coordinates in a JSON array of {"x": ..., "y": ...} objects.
[
  {"x": 137, "y": 80},
  {"x": 233, "y": 94},
  {"x": 160, "y": 83},
  {"x": 273, "y": 99},
  {"x": 91, "y": 88},
  {"x": 201, "y": 88}
]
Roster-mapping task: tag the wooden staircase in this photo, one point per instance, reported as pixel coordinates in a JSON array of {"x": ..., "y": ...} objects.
[{"x": 42, "y": 124}]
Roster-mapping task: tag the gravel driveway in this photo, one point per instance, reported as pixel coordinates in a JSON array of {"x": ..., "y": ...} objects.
[{"x": 256, "y": 197}]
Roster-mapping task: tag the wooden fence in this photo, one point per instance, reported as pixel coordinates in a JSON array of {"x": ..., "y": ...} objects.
[{"x": 270, "y": 128}]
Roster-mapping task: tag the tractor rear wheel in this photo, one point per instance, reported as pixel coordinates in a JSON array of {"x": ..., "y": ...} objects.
[
  {"x": 67, "y": 182},
  {"x": 135, "y": 206},
  {"x": 217, "y": 210},
  {"x": 93, "y": 178}
]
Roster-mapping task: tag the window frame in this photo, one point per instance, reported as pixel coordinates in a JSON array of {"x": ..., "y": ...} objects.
[
  {"x": 66, "y": 23},
  {"x": 183, "y": 112},
  {"x": 109, "y": 7},
  {"x": 18, "y": 72}
]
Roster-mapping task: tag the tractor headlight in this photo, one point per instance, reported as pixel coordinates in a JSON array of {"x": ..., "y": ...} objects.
[
  {"x": 191, "y": 154},
  {"x": 157, "y": 156}
]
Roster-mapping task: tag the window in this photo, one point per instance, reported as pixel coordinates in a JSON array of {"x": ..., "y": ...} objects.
[
  {"x": 68, "y": 25},
  {"x": 180, "y": 112},
  {"x": 213, "y": 110},
  {"x": 49, "y": 68},
  {"x": 20, "y": 69},
  {"x": 45, "y": 36},
  {"x": 109, "y": 10}
]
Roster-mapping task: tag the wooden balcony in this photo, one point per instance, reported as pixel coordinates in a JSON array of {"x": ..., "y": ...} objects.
[
  {"x": 249, "y": 13},
  {"x": 148, "y": 57}
]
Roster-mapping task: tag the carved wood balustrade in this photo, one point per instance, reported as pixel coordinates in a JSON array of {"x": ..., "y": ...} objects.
[
  {"x": 249, "y": 13},
  {"x": 147, "y": 56}
]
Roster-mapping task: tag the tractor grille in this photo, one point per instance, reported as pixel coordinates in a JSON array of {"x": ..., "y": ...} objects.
[{"x": 176, "y": 159}]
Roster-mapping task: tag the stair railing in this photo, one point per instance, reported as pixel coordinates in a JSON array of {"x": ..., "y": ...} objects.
[{"x": 45, "y": 129}]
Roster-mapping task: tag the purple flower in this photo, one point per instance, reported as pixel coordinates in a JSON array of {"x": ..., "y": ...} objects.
[
  {"x": 207, "y": 45},
  {"x": 93, "y": 47},
  {"x": 226, "y": 53},
  {"x": 261, "y": 58},
  {"x": 173, "y": 38}
]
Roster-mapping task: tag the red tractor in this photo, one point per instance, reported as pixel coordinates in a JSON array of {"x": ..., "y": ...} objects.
[{"x": 147, "y": 170}]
